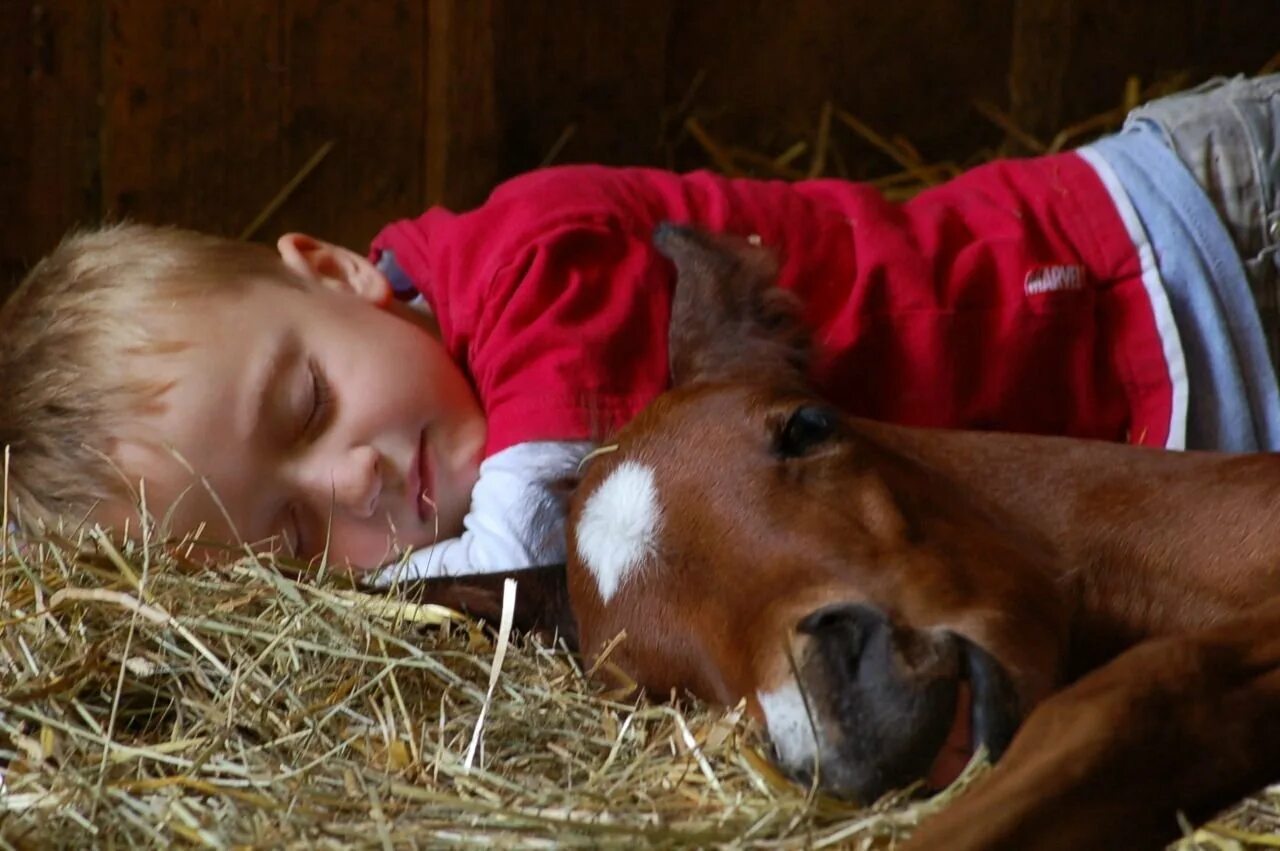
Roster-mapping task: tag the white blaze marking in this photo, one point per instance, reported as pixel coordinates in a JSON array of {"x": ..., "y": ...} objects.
[
  {"x": 618, "y": 525},
  {"x": 789, "y": 727}
]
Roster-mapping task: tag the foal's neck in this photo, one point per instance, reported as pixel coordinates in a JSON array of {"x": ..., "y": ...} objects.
[{"x": 1146, "y": 541}]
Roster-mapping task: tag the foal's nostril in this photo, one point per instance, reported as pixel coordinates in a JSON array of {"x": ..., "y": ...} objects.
[
  {"x": 840, "y": 614},
  {"x": 843, "y": 631},
  {"x": 815, "y": 622}
]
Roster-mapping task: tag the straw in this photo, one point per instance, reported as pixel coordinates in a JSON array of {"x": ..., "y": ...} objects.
[{"x": 204, "y": 706}]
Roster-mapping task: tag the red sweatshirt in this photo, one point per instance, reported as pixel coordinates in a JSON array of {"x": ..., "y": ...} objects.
[{"x": 1010, "y": 298}]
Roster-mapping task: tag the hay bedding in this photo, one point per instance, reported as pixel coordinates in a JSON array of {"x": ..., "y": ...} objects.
[{"x": 149, "y": 701}]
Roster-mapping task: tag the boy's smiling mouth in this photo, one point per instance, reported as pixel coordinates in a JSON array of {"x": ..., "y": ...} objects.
[{"x": 421, "y": 486}]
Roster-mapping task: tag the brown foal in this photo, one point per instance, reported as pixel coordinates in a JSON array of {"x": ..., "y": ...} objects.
[{"x": 1105, "y": 618}]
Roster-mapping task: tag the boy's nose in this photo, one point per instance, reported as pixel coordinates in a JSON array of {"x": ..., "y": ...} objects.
[{"x": 357, "y": 481}]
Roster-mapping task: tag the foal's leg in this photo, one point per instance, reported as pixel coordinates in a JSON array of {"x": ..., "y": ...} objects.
[{"x": 1185, "y": 723}]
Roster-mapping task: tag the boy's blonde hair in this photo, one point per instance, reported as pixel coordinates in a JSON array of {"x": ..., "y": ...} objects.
[{"x": 70, "y": 338}]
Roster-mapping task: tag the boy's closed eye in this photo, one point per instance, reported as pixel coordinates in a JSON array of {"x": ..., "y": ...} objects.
[
  {"x": 308, "y": 416},
  {"x": 317, "y": 409}
]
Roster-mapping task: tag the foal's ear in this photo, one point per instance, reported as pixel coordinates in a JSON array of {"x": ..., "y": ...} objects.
[{"x": 728, "y": 320}]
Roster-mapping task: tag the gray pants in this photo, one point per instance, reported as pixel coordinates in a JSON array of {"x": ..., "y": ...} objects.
[{"x": 1227, "y": 133}]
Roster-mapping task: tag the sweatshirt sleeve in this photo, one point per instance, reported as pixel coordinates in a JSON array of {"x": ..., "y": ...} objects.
[{"x": 568, "y": 341}]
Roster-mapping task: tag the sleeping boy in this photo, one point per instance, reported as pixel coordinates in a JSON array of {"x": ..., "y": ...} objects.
[{"x": 403, "y": 412}]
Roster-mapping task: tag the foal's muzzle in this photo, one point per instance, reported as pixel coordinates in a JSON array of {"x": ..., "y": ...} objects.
[{"x": 885, "y": 698}]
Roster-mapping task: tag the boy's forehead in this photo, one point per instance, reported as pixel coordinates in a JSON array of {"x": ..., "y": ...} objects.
[
  {"x": 210, "y": 310},
  {"x": 174, "y": 338},
  {"x": 201, "y": 353},
  {"x": 188, "y": 445}
]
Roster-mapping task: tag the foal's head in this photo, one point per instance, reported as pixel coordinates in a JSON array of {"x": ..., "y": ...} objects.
[{"x": 752, "y": 542}]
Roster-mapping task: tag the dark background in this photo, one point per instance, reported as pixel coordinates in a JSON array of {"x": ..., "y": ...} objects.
[{"x": 200, "y": 113}]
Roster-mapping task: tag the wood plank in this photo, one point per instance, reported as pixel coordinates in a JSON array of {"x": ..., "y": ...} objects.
[
  {"x": 909, "y": 68},
  {"x": 1043, "y": 37},
  {"x": 581, "y": 80},
  {"x": 207, "y": 109},
  {"x": 18, "y": 64},
  {"x": 462, "y": 141},
  {"x": 49, "y": 75},
  {"x": 1153, "y": 41},
  {"x": 212, "y": 108},
  {"x": 192, "y": 100},
  {"x": 353, "y": 72}
]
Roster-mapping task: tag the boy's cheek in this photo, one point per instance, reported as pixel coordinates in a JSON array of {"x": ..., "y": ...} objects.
[
  {"x": 359, "y": 547},
  {"x": 418, "y": 316}
]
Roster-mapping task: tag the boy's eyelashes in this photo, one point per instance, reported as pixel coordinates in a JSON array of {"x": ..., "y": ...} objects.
[
  {"x": 312, "y": 413},
  {"x": 319, "y": 402}
]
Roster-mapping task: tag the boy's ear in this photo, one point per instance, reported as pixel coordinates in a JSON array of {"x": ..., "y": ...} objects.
[{"x": 335, "y": 267}]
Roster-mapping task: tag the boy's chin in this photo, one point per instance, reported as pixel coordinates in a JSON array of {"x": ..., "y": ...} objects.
[
  {"x": 357, "y": 571},
  {"x": 358, "y": 575}
]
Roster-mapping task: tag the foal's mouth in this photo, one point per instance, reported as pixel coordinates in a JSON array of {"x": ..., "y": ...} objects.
[
  {"x": 986, "y": 716},
  {"x": 893, "y": 705}
]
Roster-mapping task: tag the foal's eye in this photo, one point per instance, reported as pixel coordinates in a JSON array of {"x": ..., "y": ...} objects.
[{"x": 807, "y": 426}]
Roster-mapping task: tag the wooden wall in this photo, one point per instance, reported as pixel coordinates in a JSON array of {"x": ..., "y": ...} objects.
[{"x": 199, "y": 113}]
